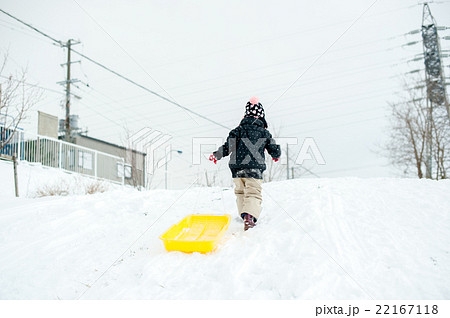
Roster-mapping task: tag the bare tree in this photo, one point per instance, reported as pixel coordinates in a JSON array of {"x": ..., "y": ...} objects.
[
  {"x": 16, "y": 99},
  {"x": 440, "y": 128},
  {"x": 414, "y": 130}
]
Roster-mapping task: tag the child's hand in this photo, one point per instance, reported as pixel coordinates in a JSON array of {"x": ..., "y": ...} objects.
[
  {"x": 276, "y": 160},
  {"x": 212, "y": 158}
]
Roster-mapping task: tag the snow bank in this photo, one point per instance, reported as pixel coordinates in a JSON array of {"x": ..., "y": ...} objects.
[
  {"x": 316, "y": 239},
  {"x": 33, "y": 178}
]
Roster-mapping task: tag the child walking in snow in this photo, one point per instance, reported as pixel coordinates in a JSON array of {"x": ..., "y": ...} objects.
[{"x": 246, "y": 144}]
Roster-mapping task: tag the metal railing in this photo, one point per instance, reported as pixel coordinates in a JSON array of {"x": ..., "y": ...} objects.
[
  {"x": 66, "y": 156},
  {"x": 9, "y": 141}
]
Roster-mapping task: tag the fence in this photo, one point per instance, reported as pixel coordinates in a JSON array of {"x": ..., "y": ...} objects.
[
  {"x": 11, "y": 139},
  {"x": 69, "y": 157}
]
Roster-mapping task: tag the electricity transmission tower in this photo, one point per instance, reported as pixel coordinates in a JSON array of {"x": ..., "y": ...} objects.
[{"x": 437, "y": 101}]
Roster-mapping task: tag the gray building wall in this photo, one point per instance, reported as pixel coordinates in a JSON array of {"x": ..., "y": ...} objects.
[
  {"x": 107, "y": 166},
  {"x": 47, "y": 125}
]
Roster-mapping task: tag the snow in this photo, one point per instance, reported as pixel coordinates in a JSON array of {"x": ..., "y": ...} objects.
[
  {"x": 343, "y": 238},
  {"x": 33, "y": 177}
]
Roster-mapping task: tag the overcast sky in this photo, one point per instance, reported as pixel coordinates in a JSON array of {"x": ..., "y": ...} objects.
[{"x": 212, "y": 56}]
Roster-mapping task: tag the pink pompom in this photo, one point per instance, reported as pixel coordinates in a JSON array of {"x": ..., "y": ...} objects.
[{"x": 254, "y": 100}]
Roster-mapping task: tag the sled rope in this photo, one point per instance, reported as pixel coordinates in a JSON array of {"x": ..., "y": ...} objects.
[{"x": 134, "y": 242}]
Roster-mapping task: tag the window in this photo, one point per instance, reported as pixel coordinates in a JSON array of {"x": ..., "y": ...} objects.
[
  {"x": 121, "y": 170},
  {"x": 85, "y": 160},
  {"x": 71, "y": 158},
  {"x": 128, "y": 171}
]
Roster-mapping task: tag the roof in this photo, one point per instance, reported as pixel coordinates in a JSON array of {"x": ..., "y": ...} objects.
[{"x": 111, "y": 144}]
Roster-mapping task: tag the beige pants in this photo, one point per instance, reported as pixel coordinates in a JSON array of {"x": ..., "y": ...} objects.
[{"x": 248, "y": 196}]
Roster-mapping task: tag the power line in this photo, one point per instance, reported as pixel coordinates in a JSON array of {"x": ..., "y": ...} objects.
[
  {"x": 266, "y": 89},
  {"x": 34, "y": 85},
  {"x": 313, "y": 80},
  {"x": 135, "y": 82},
  {"x": 184, "y": 136},
  {"x": 287, "y": 61},
  {"x": 345, "y": 124},
  {"x": 61, "y": 93},
  {"x": 322, "y": 119},
  {"x": 324, "y": 52},
  {"x": 101, "y": 114},
  {"x": 290, "y": 107},
  {"x": 282, "y": 36},
  {"x": 272, "y": 86},
  {"x": 8, "y": 26},
  {"x": 117, "y": 74},
  {"x": 149, "y": 90},
  {"x": 315, "y": 108},
  {"x": 335, "y": 126},
  {"x": 32, "y": 27},
  {"x": 359, "y": 121},
  {"x": 232, "y": 83},
  {"x": 129, "y": 55},
  {"x": 115, "y": 122}
]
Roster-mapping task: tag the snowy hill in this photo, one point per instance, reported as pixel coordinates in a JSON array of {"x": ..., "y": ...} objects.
[{"x": 316, "y": 239}]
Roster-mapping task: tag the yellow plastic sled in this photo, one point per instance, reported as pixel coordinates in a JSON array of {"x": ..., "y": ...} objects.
[{"x": 196, "y": 233}]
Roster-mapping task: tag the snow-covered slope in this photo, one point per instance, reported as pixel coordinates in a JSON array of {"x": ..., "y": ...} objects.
[
  {"x": 316, "y": 239},
  {"x": 34, "y": 178}
]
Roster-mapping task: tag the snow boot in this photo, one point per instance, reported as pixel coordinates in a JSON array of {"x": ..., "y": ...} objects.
[{"x": 249, "y": 221}]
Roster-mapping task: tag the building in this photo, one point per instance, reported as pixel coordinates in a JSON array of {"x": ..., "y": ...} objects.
[
  {"x": 84, "y": 155},
  {"x": 132, "y": 168}
]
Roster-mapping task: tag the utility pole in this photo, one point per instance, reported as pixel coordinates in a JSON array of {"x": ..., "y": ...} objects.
[
  {"x": 287, "y": 165},
  {"x": 437, "y": 103},
  {"x": 67, "y": 83},
  {"x": 67, "y": 123}
]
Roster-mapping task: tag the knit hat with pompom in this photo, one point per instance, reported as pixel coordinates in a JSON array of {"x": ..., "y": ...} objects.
[{"x": 255, "y": 109}]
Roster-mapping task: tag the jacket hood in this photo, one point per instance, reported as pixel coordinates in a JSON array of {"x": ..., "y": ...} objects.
[{"x": 252, "y": 121}]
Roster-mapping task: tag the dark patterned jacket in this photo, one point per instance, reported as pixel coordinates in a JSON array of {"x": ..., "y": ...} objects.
[{"x": 245, "y": 145}]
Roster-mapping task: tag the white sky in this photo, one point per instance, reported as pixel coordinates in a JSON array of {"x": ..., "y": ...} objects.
[{"x": 212, "y": 56}]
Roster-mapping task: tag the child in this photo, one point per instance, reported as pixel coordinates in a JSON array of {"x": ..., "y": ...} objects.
[{"x": 246, "y": 144}]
